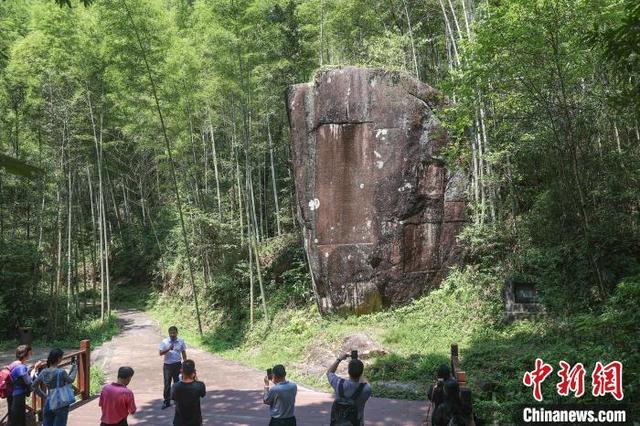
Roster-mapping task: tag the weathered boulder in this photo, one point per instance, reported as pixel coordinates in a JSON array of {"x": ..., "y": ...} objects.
[
  {"x": 379, "y": 210},
  {"x": 366, "y": 346},
  {"x": 320, "y": 354}
]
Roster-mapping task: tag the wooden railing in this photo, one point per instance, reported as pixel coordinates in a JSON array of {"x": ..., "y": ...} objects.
[
  {"x": 460, "y": 375},
  {"x": 456, "y": 370},
  {"x": 82, "y": 384}
]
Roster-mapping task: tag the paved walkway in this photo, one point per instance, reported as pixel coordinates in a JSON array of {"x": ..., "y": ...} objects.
[{"x": 233, "y": 390}]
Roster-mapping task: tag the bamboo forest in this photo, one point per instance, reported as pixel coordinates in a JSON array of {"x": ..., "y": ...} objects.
[{"x": 287, "y": 180}]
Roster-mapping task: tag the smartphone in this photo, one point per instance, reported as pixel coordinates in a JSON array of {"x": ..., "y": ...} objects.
[
  {"x": 354, "y": 354},
  {"x": 270, "y": 373}
]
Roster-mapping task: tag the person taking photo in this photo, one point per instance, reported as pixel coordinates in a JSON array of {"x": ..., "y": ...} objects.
[
  {"x": 53, "y": 377},
  {"x": 281, "y": 398},
  {"x": 21, "y": 385},
  {"x": 187, "y": 393},
  {"x": 351, "y": 394}
]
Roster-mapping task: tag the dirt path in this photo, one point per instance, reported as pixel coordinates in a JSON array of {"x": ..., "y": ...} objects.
[{"x": 233, "y": 390}]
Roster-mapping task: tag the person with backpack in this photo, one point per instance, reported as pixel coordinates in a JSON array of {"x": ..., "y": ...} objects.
[
  {"x": 435, "y": 394},
  {"x": 187, "y": 394},
  {"x": 57, "y": 382},
  {"x": 17, "y": 385},
  {"x": 452, "y": 411},
  {"x": 281, "y": 398},
  {"x": 350, "y": 395},
  {"x": 117, "y": 401},
  {"x": 6, "y": 384}
]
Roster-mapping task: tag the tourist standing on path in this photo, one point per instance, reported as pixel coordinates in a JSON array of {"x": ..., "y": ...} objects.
[
  {"x": 54, "y": 377},
  {"x": 354, "y": 389},
  {"x": 435, "y": 394},
  {"x": 174, "y": 351},
  {"x": 117, "y": 401},
  {"x": 21, "y": 382},
  {"x": 281, "y": 398},
  {"x": 187, "y": 393}
]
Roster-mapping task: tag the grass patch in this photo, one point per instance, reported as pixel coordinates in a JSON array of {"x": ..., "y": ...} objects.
[
  {"x": 92, "y": 329},
  {"x": 418, "y": 335},
  {"x": 467, "y": 310},
  {"x": 98, "y": 379}
]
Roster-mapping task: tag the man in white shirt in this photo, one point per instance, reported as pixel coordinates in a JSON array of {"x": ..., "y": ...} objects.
[{"x": 174, "y": 351}]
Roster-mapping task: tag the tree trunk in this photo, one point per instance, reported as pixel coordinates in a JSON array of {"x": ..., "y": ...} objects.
[
  {"x": 104, "y": 273},
  {"x": 273, "y": 179},
  {"x": 215, "y": 166},
  {"x": 93, "y": 247},
  {"x": 413, "y": 47},
  {"x": 69, "y": 222}
]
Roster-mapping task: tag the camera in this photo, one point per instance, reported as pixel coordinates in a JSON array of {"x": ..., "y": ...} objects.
[{"x": 270, "y": 373}]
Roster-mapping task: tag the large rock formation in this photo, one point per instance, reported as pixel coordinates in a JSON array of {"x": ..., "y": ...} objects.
[{"x": 380, "y": 213}]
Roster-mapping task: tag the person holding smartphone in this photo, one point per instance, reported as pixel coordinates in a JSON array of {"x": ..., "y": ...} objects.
[
  {"x": 187, "y": 394},
  {"x": 53, "y": 376},
  {"x": 174, "y": 351},
  {"x": 21, "y": 379},
  {"x": 352, "y": 394},
  {"x": 281, "y": 398}
]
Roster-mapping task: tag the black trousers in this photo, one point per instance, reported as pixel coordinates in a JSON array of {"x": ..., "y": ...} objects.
[
  {"x": 170, "y": 372},
  {"x": 123, "y": 422},
  {"x": 18, "y": 411},
  {"x": 9, "y": 403},
  {"x": 289, "y": 421}
]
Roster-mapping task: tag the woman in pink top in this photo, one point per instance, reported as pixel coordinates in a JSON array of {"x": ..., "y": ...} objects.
[{"x": 117, "y": 401}]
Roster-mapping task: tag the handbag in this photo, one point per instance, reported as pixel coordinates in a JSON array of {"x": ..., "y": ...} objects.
[{"x": 60, "y": 396}]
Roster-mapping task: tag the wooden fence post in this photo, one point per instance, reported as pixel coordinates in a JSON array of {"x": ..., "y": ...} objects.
[{"x": 84, "y": 368}]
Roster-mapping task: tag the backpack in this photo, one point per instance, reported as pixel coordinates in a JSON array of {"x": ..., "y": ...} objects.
[
  {"x": 344, "y": 411},
  {"x": 6, "y": 382}
]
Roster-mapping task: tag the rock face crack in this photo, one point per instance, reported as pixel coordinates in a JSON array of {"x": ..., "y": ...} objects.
[{"x": 379, "y": 210}]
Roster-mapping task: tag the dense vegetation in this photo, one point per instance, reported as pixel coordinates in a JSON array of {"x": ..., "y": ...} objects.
[{"x": 161, "y": 133}]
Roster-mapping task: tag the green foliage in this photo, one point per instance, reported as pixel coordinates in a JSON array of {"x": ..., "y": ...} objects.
[
  {"x": 98, "y": 379},
  {"x": 92, "y": 329},
  {"x": 467, "y": 311},
  {"x": 502, "y": 354},
  {"x": 544, "y": 117},
  {"x": 559, "y": 184},
  {"x": 418, "y": 335},
  {"x": 17, "y": 259}
]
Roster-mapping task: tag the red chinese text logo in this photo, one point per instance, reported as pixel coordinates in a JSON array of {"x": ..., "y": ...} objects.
[
  {"x": 605, "y": 379},
  {"x": 572, "y": 380},
  {"x": 536, "y": 377}
]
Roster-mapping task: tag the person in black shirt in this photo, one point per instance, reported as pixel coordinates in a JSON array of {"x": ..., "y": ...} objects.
[
  {"x": 436, "y": 391},
  {"x": 187, "y": 393},
  {"x": 452, "y": 411}
]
